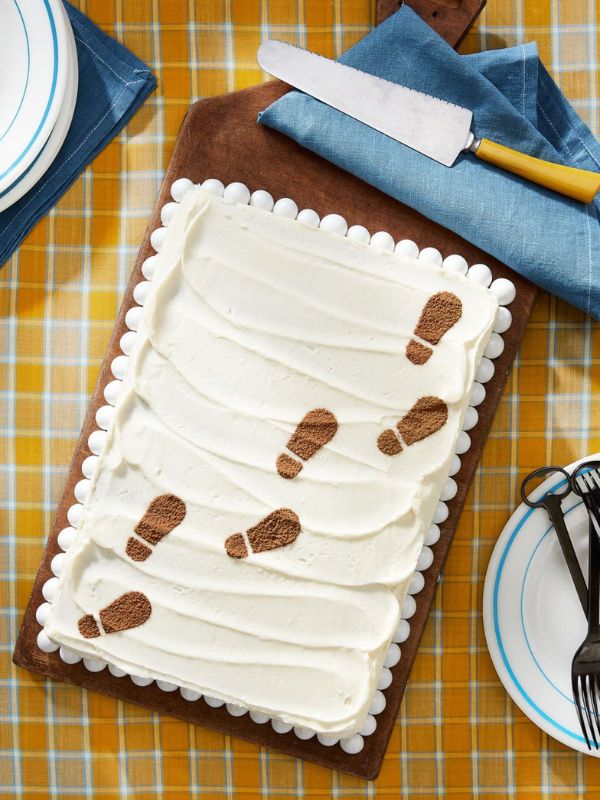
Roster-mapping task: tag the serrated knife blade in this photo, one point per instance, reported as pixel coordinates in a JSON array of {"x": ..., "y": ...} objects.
[{"x": 434, "y": 127}]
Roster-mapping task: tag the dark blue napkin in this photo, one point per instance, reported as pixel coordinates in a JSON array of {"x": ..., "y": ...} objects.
[
  {"x": 113, "y": 84},
  {"x": 553, "y": 241}
]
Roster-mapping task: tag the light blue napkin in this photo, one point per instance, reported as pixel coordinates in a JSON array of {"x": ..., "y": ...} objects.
[
  {"x": 113, "y": 84},
  {"x": 553, "y": 241}
]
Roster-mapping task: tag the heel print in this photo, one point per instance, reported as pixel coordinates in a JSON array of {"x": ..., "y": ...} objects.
[
  {"x": 127, "y": 611},
  {"x": 279, "y": 528},
  {"x": 162, "y": 515},
  {"x": 315, "y": 429},
  {"x": 440, "y": 313},
  {"x": 427, "y": 416}
]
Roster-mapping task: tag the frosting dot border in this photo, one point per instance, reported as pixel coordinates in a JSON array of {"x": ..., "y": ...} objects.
[{"x": 382, "y": 241}]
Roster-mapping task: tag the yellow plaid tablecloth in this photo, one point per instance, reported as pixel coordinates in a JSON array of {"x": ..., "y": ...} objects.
[{"x": 458, "y": 735}]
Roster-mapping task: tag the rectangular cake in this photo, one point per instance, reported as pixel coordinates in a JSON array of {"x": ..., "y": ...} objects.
[{"x": 275, "y": 452}]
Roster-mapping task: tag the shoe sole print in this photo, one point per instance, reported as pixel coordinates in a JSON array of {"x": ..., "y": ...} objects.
[
  {"x": 277, "y": 529},
  {"x": 313, "y": 432},
  {"x": 163, "y": 514},
  {"x": 425, "y": 418},
  {"x": 128, "y": 611},
  {"x": 440, "y": 313}
]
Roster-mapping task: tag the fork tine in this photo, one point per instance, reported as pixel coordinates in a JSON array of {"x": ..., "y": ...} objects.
[
  {"x": 590, "y": 499},
  {"x": 596, "y": 476},
  {"x": 588, "y": 708},
  {"x": 592, "y": 502},
  {"x": 585, "y": 710},
  {"x": 594, "y": 484},
  {"x": 589, "y": 485},
  {"x": 589, "y": 482},
  {"x": 590, "y": 478},
  {"x": 593, "y": 679},
  {"x": 578, "y": 704},
  {"x": 595, "y": 687}
]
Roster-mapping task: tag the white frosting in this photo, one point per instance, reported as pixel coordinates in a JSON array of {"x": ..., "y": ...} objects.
[
  {"x": 236, "y": 193},
  {"x": 157, "y": 238},
  {"x": 432, "y": 255},
  {"x": 480, "y": 273},
  {"x": 213, "y": 186},
  {"x": 400, "y": 635},
  {"x": 382, "y": 240},
  {"x": 504, "y": 290},
  {"x": 286, "y": 207},
  {"x": 416, "y": 585},
  {"x": 94, "y": 664},
  {"x": 180, "y": 187},
  {"x": 252, "y": 320},
  {"x": 189, "y": 694},
  {"x": 262, "y": 199},
  {"x": 334, "y": 223},
  {"x": 409, "y": 607},
  {"x": 432, "y": 536},
  {"x": 385, "y": 679},
  {"x": 71, "y": 657},
  {"x": 406, "y": 247},
  {"x": 503, "y": 320},
  {"x": 167, "y": 212},
  {"x": 456, "y": 263},
  {"x": 42, "y": 613},
  {"x": 309, "y": 216},
  {"x": 74, "y": 514},
  {"x": 358, "y": 233}
]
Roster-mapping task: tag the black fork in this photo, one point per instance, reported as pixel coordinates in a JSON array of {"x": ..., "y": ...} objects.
[{"x": 585, "y": 669}]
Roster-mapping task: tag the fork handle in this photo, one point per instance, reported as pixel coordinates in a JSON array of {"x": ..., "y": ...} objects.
[
  {"x": 552, "y": 504},
  {"x": 593, "y": 575}
]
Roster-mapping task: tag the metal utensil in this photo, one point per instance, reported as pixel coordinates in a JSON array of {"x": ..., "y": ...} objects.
[
  {"x": 434, "y": 127},
  {"x": 551, "y": 503},
  {"x": 585, "y": 668}
]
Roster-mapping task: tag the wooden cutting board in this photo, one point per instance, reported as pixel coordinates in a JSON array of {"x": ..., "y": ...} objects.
[{"x": 220, "y": 138}]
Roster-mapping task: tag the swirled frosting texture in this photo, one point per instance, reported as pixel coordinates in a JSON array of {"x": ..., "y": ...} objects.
[{"x": 252, "y": 321}]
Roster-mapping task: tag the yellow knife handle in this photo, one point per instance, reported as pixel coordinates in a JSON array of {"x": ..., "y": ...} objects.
[{"x": 576, "y": 183}]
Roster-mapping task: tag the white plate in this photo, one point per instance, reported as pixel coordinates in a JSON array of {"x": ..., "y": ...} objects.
[
  {"x": 33, "y": 80},
  {"x": 532, "y": 617},
  {"x": 42, "y": 163}
]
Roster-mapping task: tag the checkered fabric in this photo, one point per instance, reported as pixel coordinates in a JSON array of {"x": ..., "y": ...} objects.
[{"x": 458, "y": 734}]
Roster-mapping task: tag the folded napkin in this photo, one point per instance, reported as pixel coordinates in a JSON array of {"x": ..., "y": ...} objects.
[
  {"x": 553, "y": 241},
  {"x": 113, "y": 84}
]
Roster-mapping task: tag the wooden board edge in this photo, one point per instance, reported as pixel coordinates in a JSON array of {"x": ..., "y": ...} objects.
[{"x": 452, "y": 23}]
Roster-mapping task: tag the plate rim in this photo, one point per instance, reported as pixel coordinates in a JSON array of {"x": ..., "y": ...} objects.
[
  {"x": 16, "y": 114},
  {"x": 500, "y": 659},
  {"x": 37, "y": 141},
  {"x": 16, "y": 191}
]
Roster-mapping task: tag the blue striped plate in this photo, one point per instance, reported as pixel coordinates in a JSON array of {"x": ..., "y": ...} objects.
[
  {"x": 34, "y": 69},
  {"x": 532, "y": 618}
]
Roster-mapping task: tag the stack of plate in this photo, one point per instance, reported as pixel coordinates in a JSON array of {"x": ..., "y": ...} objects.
[{"x": 38, "y": 90}]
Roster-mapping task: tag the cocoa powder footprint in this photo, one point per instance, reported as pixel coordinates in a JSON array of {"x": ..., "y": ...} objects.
[
  {"x": 128, "y": 611},
  {"x": 440, "y": 313},
  {"x": 425, "y": 418},
  {"x": 163, "y": 514},
  {"x": 313, "y": 432},
  {"x": 277, "y": 529}
]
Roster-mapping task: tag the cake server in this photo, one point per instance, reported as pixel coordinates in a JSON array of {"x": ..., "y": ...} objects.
[{"x": 434, "y": 127}]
